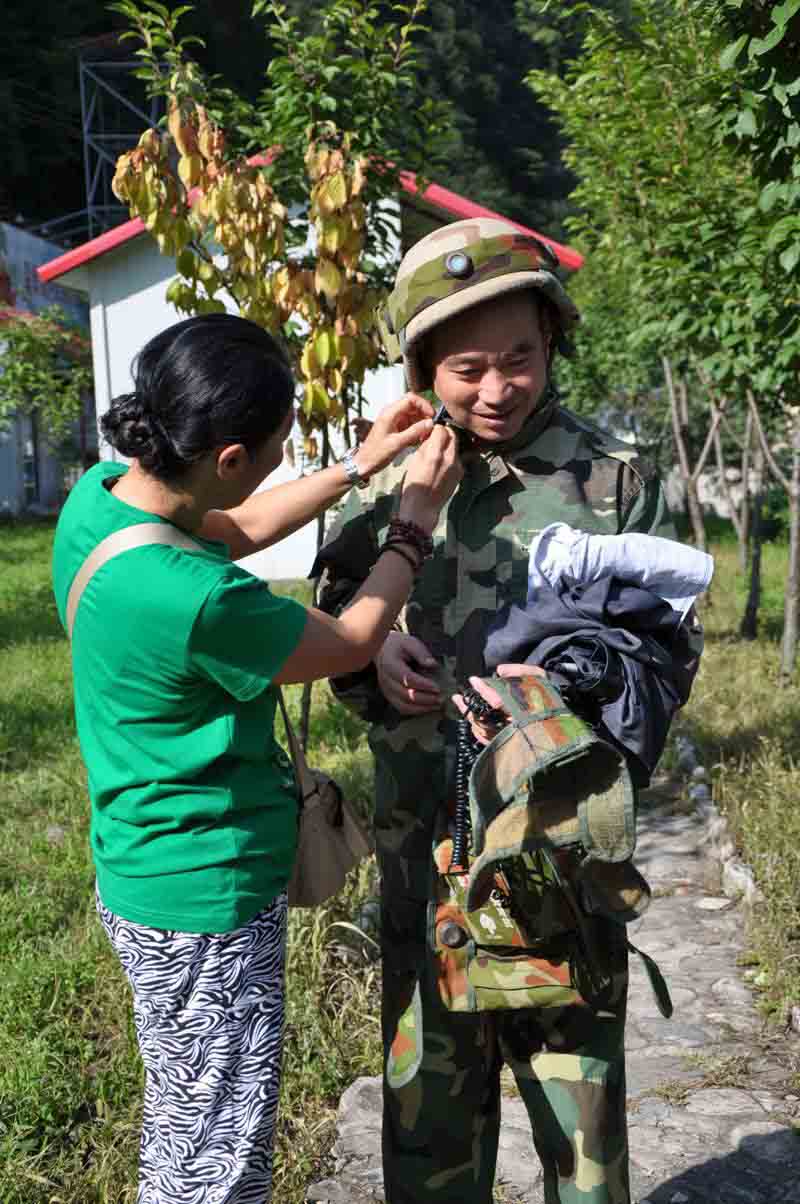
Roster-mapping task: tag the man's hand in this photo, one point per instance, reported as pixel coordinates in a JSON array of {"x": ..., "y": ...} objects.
[
  {"x": 361, "y": 428},
  {"x": 403, "y": 685},
  {"x": 484, "y": 733}
]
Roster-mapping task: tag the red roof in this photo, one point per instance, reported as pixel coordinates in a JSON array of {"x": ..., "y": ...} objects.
[
  {"x": 460, "y": 206},
  {"x": 434, "y": 194}
]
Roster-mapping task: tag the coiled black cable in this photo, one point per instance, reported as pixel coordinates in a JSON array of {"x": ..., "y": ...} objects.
[
  {"x": 465, "y": 756},
  {"x": 467, "y": 749}
]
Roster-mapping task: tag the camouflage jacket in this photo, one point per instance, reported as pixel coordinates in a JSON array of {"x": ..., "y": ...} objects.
[{"x": 560, "y": 468}]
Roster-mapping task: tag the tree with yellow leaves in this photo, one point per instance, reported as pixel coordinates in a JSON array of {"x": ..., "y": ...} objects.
[{"x": 340, "y": 113}]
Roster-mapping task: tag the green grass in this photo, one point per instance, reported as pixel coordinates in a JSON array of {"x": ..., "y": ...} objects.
[
  {"x": 748, "y": 728},
  {"x": 70, "y": 1081}
]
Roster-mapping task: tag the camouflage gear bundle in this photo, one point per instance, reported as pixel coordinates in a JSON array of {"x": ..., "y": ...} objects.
[
  {"x": 501, "y": 955},
  {"x": 549, "y": 801},
  {"x": 546, "y": 781}
]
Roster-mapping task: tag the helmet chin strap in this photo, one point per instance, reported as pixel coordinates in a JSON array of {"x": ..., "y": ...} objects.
[{"x": 469, "y": 441}]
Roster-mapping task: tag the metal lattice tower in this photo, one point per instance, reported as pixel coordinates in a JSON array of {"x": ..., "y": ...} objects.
[
  {"x": 112, "y": 123},
  {"x": 114, "y": 111}
]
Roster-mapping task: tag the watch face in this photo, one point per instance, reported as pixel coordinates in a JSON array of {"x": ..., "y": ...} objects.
[
  {"x": 351, "y": 468},
  {"x": 361, "y": 482}
]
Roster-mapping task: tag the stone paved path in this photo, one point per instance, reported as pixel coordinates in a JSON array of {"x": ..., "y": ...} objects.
[{"x": 713, "y": 1117}]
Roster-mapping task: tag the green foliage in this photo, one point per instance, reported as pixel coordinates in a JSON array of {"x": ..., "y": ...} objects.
[
  {"x": 162, "y": 51},
  {"x": 505, "y": 148},
  {"x": 345, "y": 66},
  {"x": 613, "y": 374},
  {"x": 352, "y": 68},
  {"x": 760, "y": 106},
  {"x": 755, "y": 100},
  {"x": 700, "y": 258},
  {"x": 775, "y": 515},
  {"x": 46, "y": 368},
  {"x": 693, "y": 265}
]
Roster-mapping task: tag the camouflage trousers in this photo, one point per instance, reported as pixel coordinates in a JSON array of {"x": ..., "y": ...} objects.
[{"x": 442, "y": 1106}]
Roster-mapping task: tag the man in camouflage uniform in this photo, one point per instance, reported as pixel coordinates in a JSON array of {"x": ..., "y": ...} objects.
[{"x": 478, "y": 313}]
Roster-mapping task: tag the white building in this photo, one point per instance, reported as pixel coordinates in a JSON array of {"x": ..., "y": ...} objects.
[{"x": 124, "y": 278}]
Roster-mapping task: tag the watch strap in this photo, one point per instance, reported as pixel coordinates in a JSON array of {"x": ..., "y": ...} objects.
[{"x": 348, "y": 463}]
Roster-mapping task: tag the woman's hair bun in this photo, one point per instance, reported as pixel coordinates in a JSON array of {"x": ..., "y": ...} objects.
[{"x": 133, "y": 430}]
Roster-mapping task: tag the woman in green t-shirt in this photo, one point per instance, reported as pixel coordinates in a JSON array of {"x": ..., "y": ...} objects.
[{"x": 176, "y": 653}]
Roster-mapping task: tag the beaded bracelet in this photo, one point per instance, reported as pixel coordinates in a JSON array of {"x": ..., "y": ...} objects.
[
  {"x": 411, "y": 533},
  {"x": 394, "y": 546}
]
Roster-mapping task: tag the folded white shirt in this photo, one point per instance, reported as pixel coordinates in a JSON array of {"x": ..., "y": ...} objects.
[{"x": 669, "y": 569}]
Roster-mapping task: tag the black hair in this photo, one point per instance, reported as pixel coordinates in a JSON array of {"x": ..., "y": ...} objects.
[{"x": 211, "y": 380}]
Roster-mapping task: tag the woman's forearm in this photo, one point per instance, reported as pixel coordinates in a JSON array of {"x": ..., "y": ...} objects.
[
  {"x": 330, "y": 647},
  {"x": 269, "y": 516},
  {"x": 265, "y": 518}
]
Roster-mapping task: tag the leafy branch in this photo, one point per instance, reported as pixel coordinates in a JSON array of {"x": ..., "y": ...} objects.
[{"x": 46, "y": 370}]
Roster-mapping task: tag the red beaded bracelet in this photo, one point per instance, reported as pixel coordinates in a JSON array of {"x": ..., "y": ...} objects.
[{"x": 409, "y": 532}]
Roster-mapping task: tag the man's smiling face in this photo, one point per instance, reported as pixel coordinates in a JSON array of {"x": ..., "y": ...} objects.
[{"x": 490, "y": 365}]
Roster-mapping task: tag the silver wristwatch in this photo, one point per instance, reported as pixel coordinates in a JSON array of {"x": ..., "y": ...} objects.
[{"x": 348, "y": 463}]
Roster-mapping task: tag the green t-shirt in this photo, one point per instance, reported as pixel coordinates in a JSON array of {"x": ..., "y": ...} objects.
[{"x": 194, "y": 811}]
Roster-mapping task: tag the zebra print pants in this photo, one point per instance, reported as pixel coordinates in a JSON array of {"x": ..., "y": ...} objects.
[{"x": 209, "y": 1016}]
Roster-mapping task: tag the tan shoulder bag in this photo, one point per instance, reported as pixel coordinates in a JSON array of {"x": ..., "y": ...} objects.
[{"x": 331, "y": 839}]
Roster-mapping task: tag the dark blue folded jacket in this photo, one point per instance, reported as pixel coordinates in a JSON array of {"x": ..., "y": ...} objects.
[{"x": 620, "y": 653}]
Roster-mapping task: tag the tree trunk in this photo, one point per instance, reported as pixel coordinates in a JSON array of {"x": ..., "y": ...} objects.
[
  {"x": 791, "y": 485},
  {"x": 696, "y": 514},
  {"x": 748, "y": 628},
  {"x": 790, "y": 611},
  {"x": 789, "y": 640},
  {"x": 679, "y": 431},
  {"x": 745, "y": 513},
  {"x": 305, "y": 700},
  {"x": 727, "y": 492}
]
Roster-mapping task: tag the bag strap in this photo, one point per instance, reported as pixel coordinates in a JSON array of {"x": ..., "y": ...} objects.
[
  {"x": 141, "y": 535},
  {"x": 137, "y": 536},
  {"x": 305, "y": 779}
]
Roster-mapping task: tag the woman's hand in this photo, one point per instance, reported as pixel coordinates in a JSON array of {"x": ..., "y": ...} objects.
[
  {"x": 432, "y": 475},
  {"x": 484, "y": 733},
  {"x": 402, "y": 424},
  {"x": 403, "y": 685}
]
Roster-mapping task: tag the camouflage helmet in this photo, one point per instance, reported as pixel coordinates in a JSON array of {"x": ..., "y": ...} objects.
[{"x": 461, "y": 265}]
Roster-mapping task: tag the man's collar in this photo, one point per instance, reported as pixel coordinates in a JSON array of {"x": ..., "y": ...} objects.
[
  {"x": 533, "y": 426},
  {"x": 498, "y": 455}
]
